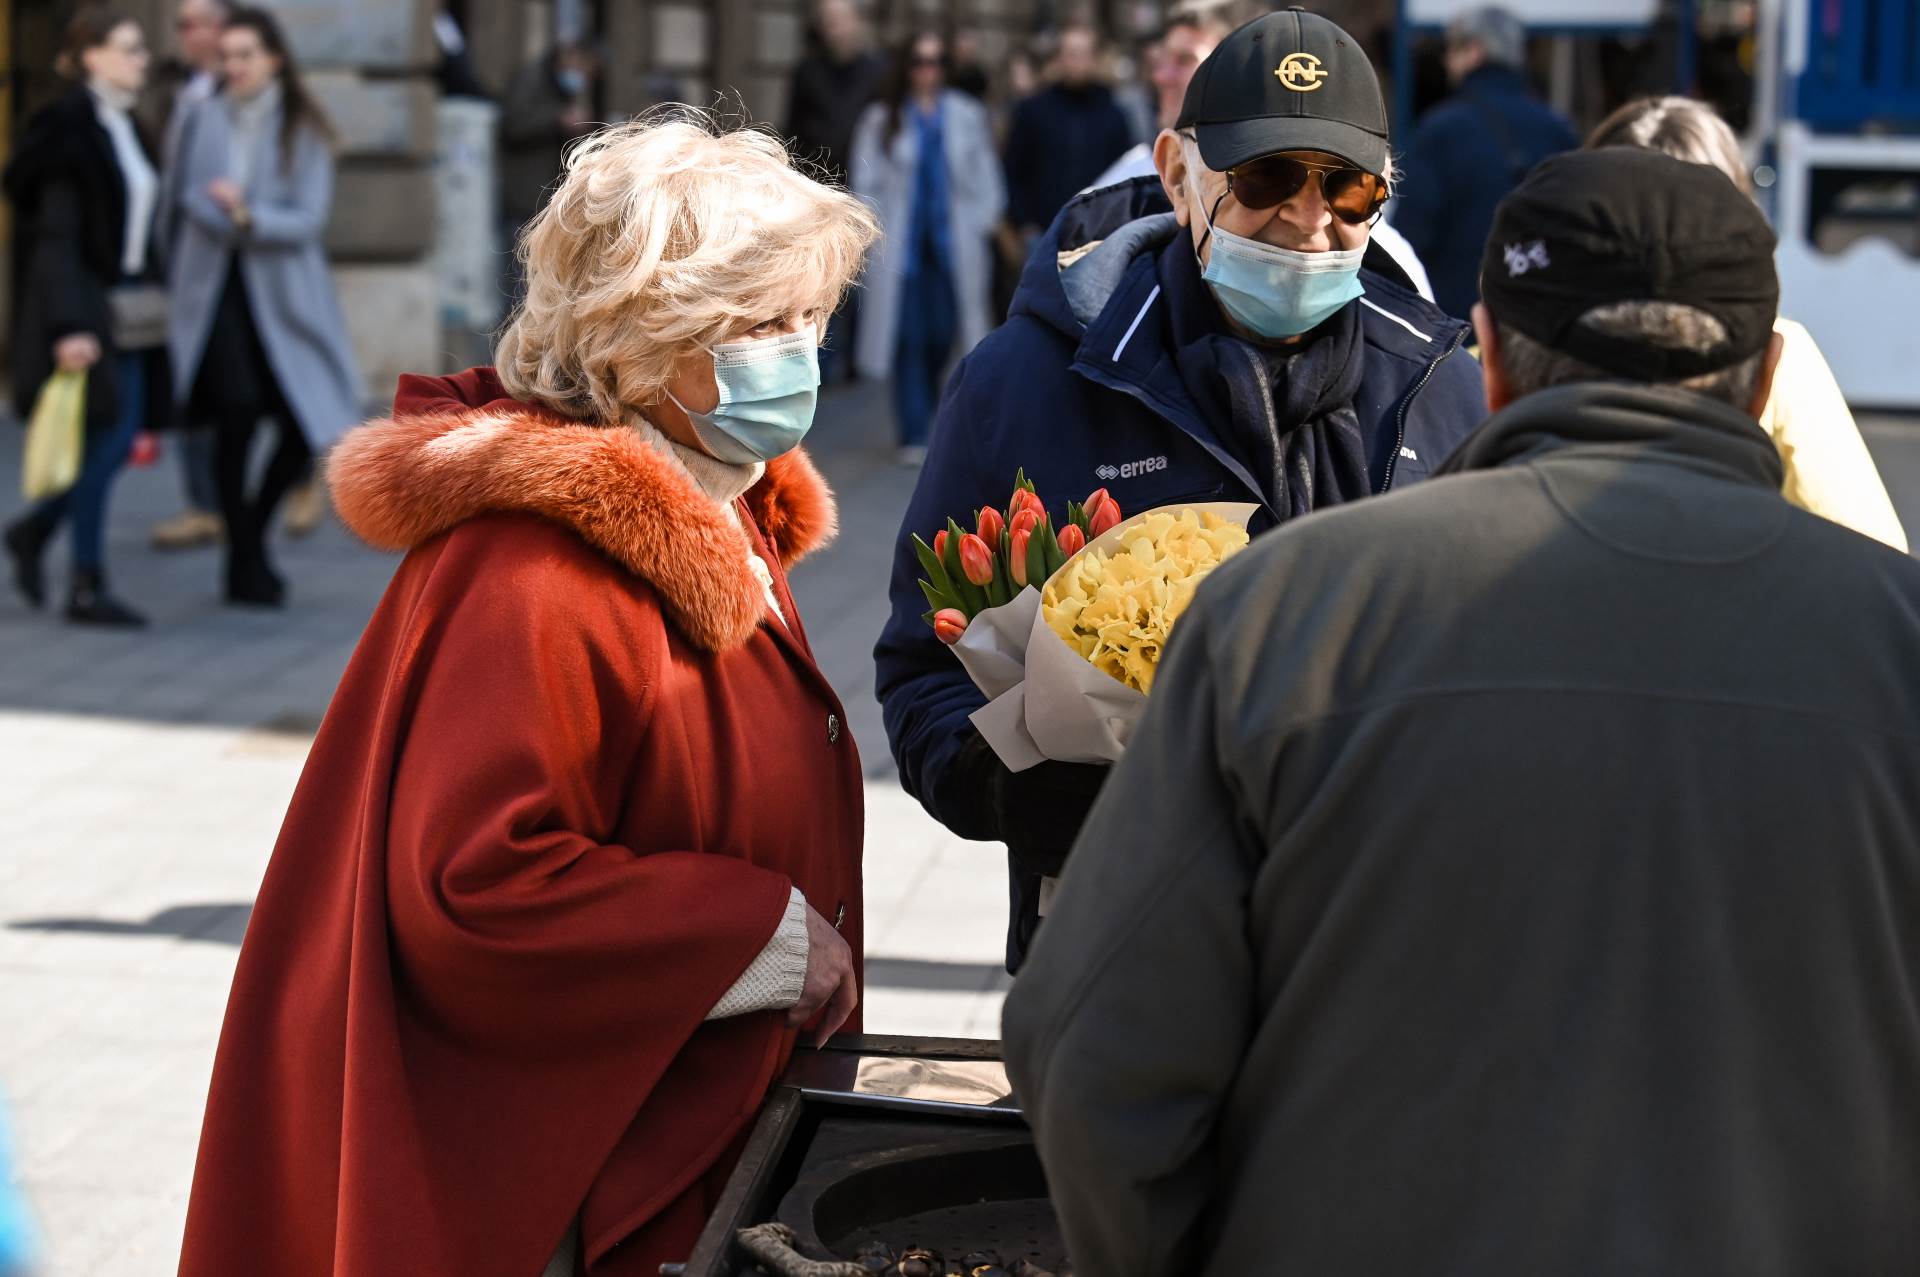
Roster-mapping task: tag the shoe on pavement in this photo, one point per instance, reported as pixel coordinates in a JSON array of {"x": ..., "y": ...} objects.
[
  {"x": 91, "y": 604},
  {"x": 306, "y": 506},
  {"x": 188, "y": 530},
  {"x": 26, "y": 540}
]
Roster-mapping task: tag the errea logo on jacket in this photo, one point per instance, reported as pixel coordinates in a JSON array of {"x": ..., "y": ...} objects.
[{"x": 1132, "y": 469}]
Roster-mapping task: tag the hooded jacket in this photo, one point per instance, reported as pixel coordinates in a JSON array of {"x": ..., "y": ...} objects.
[
  {"x": 1511, "y": 876},
  {"x": 1080, "y": 389},
  {"x": 537, "y": 838}
]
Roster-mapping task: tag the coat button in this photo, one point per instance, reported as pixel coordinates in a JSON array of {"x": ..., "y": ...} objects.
[{"x": 833, "y": 729}]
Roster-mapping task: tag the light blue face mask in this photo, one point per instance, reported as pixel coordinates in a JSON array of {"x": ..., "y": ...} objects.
[
  {"x": 1277, "y": 292},
  {"x": 767, "y": 392}
]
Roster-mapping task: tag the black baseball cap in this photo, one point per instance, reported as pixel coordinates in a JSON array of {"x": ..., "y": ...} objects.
[
  {"x": 1287, "y": 81},
  {"x": 1624, "y": 224}
]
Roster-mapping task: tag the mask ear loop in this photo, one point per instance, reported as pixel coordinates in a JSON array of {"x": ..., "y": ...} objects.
[{"x": 1210, "y": 216}]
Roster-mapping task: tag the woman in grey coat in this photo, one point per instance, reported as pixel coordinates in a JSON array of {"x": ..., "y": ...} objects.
[{"x": 256, "y": 332}]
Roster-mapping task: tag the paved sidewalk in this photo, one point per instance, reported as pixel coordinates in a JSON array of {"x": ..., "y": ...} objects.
[
  {"x": 143, "y": 779},
  {"x": 142, "y": 782}
]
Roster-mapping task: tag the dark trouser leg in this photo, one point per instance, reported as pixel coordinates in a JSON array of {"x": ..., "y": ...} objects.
[
  {"x": 106, "y": 457},
  {"x": 233, "y": 443},
  {"x": 196, "y": 445},
  {"x": 290, "y": 465}
]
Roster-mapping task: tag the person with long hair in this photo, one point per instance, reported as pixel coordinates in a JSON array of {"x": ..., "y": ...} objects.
[
  {"x": 83, "y": 188},
  {"x": 575, "y": 861},
  {"x": 923, "y": 158},
  {"x": 1829, "y": 470},
  {"x": 256, "y": 331}
]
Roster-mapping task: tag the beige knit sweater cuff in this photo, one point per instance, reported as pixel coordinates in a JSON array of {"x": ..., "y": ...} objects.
[{"x": 775, "y": 979}]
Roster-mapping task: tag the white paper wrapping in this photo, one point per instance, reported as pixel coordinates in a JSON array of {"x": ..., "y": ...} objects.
[{"x": 1045, "y": 701}]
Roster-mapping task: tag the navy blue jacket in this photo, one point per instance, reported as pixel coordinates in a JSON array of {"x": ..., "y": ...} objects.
[
  {"x": 1061, "y": 139},
  {"x": 1079, "y": 388},
  {"x": 1464, "y": 157}
]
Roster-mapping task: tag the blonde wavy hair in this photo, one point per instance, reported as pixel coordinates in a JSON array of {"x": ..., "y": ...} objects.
[{"x": 666, "y": 235}]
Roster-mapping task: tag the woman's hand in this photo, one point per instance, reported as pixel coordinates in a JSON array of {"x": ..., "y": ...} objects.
[
  {"x": 226, "y": 193},
  {"x": 830, "y": 982},
  {"x": 76, "y": 351}
]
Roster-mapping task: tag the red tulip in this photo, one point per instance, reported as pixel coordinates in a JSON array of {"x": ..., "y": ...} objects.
[
  {"x": 1103, "y": 512},
  {"x": 1072, "y": 540},
  {"x": 949, "y": 624},
  {"x": 940, "y": 544},
  {"x": 991, "y": 525},
  {"x": 1024, "y": 499},
  {"x": 1019, "y": 550},
  {"x": 1024, "y": 521},
  {"x": 976, "y": 560}
]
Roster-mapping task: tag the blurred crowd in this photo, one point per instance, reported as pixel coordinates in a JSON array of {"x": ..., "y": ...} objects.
[{"x": 171, "y": 263}]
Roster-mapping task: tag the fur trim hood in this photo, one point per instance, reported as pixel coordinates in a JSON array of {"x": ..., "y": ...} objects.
[{"x": 452, "y": 451}]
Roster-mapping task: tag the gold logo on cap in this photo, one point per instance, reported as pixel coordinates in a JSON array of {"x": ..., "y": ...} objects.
[{"x": 1300, "y": 72}]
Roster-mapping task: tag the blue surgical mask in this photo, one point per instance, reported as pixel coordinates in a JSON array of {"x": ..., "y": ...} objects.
[
  {"x": 572, "y": 83},
  {"x": 1278, "y": 292},
  {"x": 767, "y": 393}
]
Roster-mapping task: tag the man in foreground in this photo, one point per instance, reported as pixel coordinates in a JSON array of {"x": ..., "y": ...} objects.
[{"x": 1516, "y": 875}]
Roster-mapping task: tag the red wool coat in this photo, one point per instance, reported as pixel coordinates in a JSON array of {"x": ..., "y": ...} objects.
[{"x": 553, "y": 813}]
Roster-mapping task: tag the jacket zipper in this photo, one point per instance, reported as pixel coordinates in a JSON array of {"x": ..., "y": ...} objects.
[{"x": 1406, "y": 405}]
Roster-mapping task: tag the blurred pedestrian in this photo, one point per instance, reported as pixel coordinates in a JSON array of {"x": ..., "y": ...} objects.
[
  {"x": 197, "y": 24},
  {"x": 1829, "y": 470},
  {"x": 1191, "y": 32},
  {"x": 1063, "y": 136},
  {"x": 543, "y": 925},
  {"x": 548, "y": 106},
  {"x": 923, "y": 158},
  {"x": 257, "y": 333},
  {"x": 833, "y": 84},
  {"x": 966, "y": 70},
  {"x": 1514, "y": 876},
  {"x": 1470, "y": 150},
  {"x": 84, "y": 190},
  {"x": 1214, "y": 333}
]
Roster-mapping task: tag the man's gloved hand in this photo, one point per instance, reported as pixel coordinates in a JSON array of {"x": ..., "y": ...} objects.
[{"x": 1038, "y": 812}]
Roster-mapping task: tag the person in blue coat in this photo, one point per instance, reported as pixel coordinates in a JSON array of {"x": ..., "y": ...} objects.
[
  {"x": 1222, "y": 332},
  {"x": 1470, "y": 150}
]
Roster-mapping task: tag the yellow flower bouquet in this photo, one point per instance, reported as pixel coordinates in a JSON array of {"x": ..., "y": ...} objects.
[
  {"x": 1067, "y": 667},
  {"x": 1116, "y": 607}
]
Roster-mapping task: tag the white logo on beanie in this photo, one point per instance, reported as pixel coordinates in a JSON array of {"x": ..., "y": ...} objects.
[{"x": 1522, "y": 258}]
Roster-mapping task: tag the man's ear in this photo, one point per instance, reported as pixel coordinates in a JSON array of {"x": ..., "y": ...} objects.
[
  {"x": 1170, "y": 159},
  {"x": 1763, "y": 384},
  {"x": 1487, "y": 333}
]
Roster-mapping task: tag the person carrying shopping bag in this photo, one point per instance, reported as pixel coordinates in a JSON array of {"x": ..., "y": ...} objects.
[{"x": 83, "y": 187}]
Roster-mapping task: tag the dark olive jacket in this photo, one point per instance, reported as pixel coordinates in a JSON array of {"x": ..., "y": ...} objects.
[{"x": 1515, "y": 875}]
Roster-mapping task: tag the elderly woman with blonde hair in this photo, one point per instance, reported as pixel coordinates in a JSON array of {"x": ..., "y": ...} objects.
[
  {"x": 1829, "y": 470},
  {"x": 575, "y": 860}
]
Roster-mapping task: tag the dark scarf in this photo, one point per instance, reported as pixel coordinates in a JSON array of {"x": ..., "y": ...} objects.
[{"x": 1287, "y": 412}]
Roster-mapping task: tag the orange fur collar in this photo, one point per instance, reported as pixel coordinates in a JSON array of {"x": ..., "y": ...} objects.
[{"x": 400, "y": 482}]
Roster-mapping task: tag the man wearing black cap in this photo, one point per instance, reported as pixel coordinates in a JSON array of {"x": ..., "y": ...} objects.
[
  {"x": 1518, "y": 875},
  {"x": 1223, "y": 331}
]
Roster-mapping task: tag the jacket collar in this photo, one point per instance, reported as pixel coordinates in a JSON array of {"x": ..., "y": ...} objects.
[
  {"x": 1616, "y": 419},
  {"x": 454, "y": 451}
]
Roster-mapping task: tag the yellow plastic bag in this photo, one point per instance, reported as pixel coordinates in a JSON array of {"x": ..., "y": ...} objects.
[{"x": 56, "y": 436}]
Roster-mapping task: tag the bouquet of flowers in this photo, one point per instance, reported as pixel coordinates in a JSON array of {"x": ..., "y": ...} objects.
[{"x": 1064, "y": 631}]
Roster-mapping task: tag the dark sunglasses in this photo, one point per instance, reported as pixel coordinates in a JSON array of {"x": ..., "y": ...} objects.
[{"x": 1354, "y": 195}]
